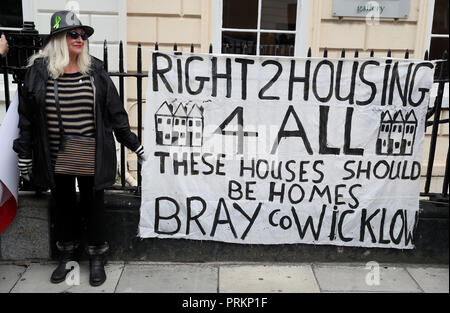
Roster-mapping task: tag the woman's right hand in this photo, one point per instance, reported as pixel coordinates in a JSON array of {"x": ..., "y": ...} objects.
[
  {"x": 3, "y": 45},
  {"x": 25, "y": 168}
]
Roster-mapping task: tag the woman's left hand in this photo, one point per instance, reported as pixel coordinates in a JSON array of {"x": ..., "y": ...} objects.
[{"x": 140, "y": 153}]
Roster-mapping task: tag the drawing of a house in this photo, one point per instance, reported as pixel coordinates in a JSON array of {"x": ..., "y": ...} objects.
[
  {"x": 195, "y": 126},
  {"x": 410, "y": 132},
  {"x": 383, "y": 141},
  {"x": 396, "y": 134},
  {"x": 179, "y": 126},
  {"x": 163, "y": 122}
]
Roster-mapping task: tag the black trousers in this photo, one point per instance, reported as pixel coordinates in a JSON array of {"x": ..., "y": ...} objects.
[{"x": 69, "y": 214}]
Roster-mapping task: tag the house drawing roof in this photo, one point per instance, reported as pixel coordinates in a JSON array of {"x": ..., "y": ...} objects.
[
  {"x": 195, "y": 112},
  {"x": 180, "y": 111},
  {"x": 386, "y": 117},
  {"x": 398, "y": 117},
  {"x": 165, "y": 109},
  {"x": 411, "y": 117}
]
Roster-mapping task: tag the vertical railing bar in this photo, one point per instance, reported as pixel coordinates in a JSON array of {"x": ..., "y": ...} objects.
[
  {"x": 356, "y": 53},
  {"x": 28, "y": 43},
  {"x": 122, "y": 98},
  {"x": 309, "y": 52},
  {"x": 192, "y": 48},
  {"x": 437, "y": 115},
  {"x": 105, "y": 55},
  {"x": 18, "y": 55},
  {"x": 343, "y": 53},
  {"x": 372, "y": 53},
  {"x": 139, "y": 100},
  {"x": 325, "y": 53},
  {"x": 210, "y": 48},
  {"x": 431, "y": 110},
  {"x": 6, "y": 83}
]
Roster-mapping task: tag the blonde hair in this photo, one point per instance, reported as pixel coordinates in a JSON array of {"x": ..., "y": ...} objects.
[{"x": 57, "y": 55}]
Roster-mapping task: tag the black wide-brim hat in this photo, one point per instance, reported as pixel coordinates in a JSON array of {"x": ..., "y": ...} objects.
[{"x": 63, "y": 21}]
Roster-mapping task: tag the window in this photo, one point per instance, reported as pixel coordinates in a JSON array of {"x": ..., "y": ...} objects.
[
  {"x": 439, "y": 37},
  {"x": 395, "y": 128},
  {"x": 262, "y": 27},
  {"x": 407, "y": 129},
  {"x": 400, "y": 129},
  {"x": 167, "y": 136},
  {"x": 11, "y": 14},
  {"x": 197, "y": 135},
  {"x": 159, "y": 120},
  {"x": 177, "y": 121},
  {"x": 411, "y": 129},
  {"x": 183, "y": 122},
  {"x": 169, "y": 121},
  {"x": 190, "y": 123},
  {"x": 197, "y": 123}
]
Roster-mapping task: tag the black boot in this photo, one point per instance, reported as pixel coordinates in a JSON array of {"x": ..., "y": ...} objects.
[
  {"x": 67, "y": 254},
  {"x": 97, "y": 264}
]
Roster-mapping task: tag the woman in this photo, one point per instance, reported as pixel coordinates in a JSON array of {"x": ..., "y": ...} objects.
[{"x": 67, "y": 93}]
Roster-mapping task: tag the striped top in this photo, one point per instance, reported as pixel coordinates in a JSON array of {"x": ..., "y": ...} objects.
[{"x": 76, "y": 102}]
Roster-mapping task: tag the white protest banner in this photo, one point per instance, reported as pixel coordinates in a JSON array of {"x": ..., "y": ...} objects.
[{"x": 276, "y": 150}]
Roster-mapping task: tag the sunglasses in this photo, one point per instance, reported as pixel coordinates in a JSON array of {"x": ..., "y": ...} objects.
[{"x": 75, "y": 35}]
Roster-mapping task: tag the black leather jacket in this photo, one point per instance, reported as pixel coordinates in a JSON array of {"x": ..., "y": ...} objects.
[{"x": 110, "y": 116}]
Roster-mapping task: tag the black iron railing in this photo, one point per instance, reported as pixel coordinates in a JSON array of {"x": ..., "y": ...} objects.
[
  {"x": 23, "y": 44},
  {"x": 121, "y": 74},
  {"x": 434, "y": 113}
]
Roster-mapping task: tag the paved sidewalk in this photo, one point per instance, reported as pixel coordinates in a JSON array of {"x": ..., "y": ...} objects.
[{"x": 150, "y": 277}]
